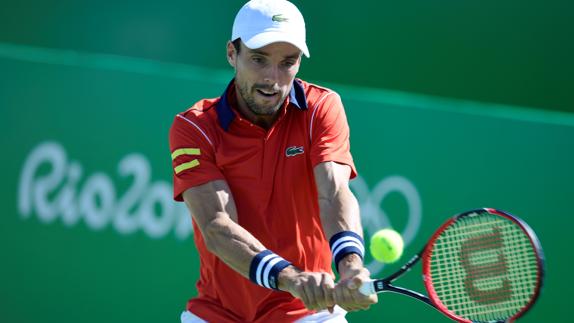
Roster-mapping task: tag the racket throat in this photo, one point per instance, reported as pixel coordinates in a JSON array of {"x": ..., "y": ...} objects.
[{"x": 410, "y": 293}]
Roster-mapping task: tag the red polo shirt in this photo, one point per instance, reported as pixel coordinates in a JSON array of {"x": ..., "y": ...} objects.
[{"x": 270, "y": 174}]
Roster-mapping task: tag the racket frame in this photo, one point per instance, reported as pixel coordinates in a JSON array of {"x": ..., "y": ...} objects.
[
  {"x": 534, "y": 242},
  {"x": 385, "y": 284}
]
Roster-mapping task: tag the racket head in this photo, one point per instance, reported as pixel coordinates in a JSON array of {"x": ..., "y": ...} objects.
[{"x": 483, "y": 265}]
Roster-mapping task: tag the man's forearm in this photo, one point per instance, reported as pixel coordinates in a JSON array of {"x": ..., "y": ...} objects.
[
  {"x": 231, "y": 243},
  {"x": 213, "y": 209},
  {"x": 340, "y": 212}
]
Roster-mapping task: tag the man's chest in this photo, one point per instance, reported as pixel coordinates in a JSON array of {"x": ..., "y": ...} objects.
[{"x": 258, "y": 156}]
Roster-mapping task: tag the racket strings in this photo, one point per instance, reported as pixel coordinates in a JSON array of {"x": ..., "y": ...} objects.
[
  {"x": 490, "y": 297},
  {"x": 483, "y": 268}
]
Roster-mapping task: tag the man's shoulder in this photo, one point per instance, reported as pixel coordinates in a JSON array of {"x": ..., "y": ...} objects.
[
  {"x": 316, "y": 93},
  {"x": 199, "y": 120},
  {"x": 202, "y": 113},
  {"x": 201, "y": 108}
]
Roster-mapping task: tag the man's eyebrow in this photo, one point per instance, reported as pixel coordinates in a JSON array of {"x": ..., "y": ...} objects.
[
  {"x": 257, "y": 51},
  {"x": 294, "y": 56},
  {"x": 263, "y": 53}
]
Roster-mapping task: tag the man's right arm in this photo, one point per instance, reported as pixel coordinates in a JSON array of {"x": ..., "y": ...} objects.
[{"x": 213, "y": 210}]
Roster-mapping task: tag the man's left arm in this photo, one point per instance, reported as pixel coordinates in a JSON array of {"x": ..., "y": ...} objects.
[{"x": 340, "y": 214}]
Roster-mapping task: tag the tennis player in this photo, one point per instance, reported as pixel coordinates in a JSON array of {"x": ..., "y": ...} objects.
[{"x": 264, "y": 170}]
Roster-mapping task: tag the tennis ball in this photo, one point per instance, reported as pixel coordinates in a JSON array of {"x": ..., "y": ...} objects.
[{"x": 386, "y": 246}]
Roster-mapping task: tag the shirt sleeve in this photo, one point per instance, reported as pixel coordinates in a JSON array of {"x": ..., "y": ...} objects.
[
  {"x": 192, "y": 156},
  {"x": 330, "y": 133}
]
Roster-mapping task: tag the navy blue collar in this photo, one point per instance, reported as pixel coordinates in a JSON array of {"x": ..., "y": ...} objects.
[{"x": 226, "y": 115}]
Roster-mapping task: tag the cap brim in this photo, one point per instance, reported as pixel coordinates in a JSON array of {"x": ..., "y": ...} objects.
[{"x": 266, "y": 38}]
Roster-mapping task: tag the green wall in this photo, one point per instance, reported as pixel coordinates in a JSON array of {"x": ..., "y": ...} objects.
[
  {"x": 90, "y": 232},
  {"x": 512, "y": 51}
]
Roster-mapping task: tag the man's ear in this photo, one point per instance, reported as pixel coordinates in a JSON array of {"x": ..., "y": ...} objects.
[{"x": 231, "y": 54}]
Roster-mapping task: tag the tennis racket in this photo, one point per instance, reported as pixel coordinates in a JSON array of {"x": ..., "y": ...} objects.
[{"x": 483, "y": 265}]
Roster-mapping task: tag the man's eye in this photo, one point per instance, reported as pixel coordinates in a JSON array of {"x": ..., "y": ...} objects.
[{"x": 257, "y": 59}]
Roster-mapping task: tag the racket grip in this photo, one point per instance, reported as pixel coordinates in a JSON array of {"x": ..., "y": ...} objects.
[{"x": 367, "y": 288}]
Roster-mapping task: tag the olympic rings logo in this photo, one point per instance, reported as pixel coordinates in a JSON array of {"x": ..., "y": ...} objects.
[{"x": 374, "y": 218}]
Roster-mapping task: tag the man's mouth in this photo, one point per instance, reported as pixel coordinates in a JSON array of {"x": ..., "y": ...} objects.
[{"x": 267, "y": 93}]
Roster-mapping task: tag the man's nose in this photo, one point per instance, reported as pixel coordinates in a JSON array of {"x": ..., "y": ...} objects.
[{"x": 271, "y": 75}]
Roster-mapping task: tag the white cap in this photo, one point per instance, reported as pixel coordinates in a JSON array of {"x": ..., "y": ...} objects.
[{"x": 262, "y": 22}]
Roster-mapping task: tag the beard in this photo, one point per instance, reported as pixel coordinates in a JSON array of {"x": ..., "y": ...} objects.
[{"x": 248, "y": 95}]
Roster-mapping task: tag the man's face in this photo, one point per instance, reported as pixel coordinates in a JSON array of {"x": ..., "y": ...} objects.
[{"x": 264, "y": 76}]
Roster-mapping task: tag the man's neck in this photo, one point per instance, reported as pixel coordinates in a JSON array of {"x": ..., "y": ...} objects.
[{"x": 263, "y": 121}]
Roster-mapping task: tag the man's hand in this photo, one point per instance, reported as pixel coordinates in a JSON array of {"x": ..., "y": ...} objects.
[
  {"x": 353, "y": 275},
  {"x": 316, "y": 290}
]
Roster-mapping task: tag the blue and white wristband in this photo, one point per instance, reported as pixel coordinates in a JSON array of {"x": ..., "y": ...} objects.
[
  {"x": 344, "y": 243},
  {"x": 265, "y": 268}
]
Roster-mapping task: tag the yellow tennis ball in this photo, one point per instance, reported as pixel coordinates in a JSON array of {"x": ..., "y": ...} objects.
[{"x": 386, "y": 245}]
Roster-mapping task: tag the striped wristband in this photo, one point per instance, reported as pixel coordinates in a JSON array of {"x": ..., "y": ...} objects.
[
  {"x": 344, "y": 243},
  {"x": 265, "y": 268}
]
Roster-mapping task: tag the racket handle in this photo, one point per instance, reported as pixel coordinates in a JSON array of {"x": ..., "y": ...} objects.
[{"x": 368, "y": 288}]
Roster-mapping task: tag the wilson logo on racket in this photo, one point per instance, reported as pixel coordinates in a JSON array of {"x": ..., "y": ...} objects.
[
  {"x": 486, "y": 266},
  {"x": 294, "y": 151}
]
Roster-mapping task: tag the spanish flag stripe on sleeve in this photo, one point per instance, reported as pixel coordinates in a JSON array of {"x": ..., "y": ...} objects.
[
  {"x": 185, "y": 151},
  {"x": 181, "y": 167}
]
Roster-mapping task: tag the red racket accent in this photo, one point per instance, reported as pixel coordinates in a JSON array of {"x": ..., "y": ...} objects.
[
  {"x": 537, "y": 247},
  {"x": 428, "y": 278}
]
